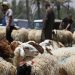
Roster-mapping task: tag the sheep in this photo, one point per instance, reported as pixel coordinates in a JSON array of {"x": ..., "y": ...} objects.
[
  {"x": 23, "y": 51},
  {"x": 23, "y": 34},
  {"x": 51, "y": 44},
  {"x": 62, "y": 53},
  {"x": 2, "y": 33},
  {"x": 7, "y": 68},
  {"x": 38, "y": 36},
  {"x": 37, "y": 46},
  {"x": 20, "y": 35},
  {"x": 46, "y": 46},
  {"x": 18, "y": 55},
  {"x": 74, "y": 37},
  {"x": 68, "y": 64},
  {"x": 66, "y": 58},
  {"x": 31, "y": 35},
  {"x": 35, "y": 35},
  {"x": 14, "y": 34},
  {"x": 64, "y": 36},
  {"x": 40, "y": 48},
  {"x": 44, "y": 64},
  {"x": 5, "y": 49}
]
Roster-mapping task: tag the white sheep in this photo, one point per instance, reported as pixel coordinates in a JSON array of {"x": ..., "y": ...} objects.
[
  {"x": 14, "y": 34},
  {"x": 20, "y": 35},
  {"x": 51, "y": 44},
  {"x": 35, "y": 35},
  {"x": 69, "y": 64},
  {"x": 44, "y": 64},
  {"x": 38, "y": 36},
  {"x": 31, "y": 35},
  {"x": 2, "y": 33},
  {"x": 64, "y": 52},
  {"x": 7, "y": 68},
  {"x": 22, "y": 51},
  {"x": 63, "y": 36},
  {"x": 66, "y": 58}
]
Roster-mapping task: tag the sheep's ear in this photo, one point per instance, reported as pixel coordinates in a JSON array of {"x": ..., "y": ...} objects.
[
  {"x": 22, "y": 52},
  {"x": 50, "y": 42},
  {"x": 49, "y": 51},
  {"x": 54, "y": 31}
]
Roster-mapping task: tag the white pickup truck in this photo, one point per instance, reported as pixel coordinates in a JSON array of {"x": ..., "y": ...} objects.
[{"x": 38, "y": 24}]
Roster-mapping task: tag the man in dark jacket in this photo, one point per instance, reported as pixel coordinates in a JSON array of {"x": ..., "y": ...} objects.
[
  {"x": 48, "y": 22},
  {"x": 66, "y": 23}
]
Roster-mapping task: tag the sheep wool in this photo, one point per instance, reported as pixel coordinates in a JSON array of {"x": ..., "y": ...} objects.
[
  {"x": 7, "y": 68},
  {"x": 64, "y": 36},
  {"x": 69, "y": 65},
  {"x": 45, "y": 64},
  {"x": 66, "y": 58},
  {"x": 20, "y": 35}
]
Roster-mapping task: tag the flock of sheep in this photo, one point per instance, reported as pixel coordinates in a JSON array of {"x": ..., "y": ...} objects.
[
  {"x": 24, "y": 35},
  {"x": 27, "y": 55}
]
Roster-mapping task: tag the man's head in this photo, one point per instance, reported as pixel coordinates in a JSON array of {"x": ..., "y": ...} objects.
[
  {"x": 47, "y": 4},
  {"x": 5, "y": 5},
  {"x": 70, "y": 16}
]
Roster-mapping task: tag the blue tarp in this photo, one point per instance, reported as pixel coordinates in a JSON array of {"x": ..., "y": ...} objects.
[{"x": 3, "y": 21}]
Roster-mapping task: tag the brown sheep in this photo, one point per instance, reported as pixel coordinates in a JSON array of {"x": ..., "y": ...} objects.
[
  {"x": 15, "y": 44},
  {"x": 5, "y": 49},
  {"x": 74, "y": 37}
]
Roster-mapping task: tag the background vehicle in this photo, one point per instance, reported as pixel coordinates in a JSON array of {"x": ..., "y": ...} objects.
[
  {"x": 38, "y": 24},
  {"x": 21, "y": 23},
  {"x": 57, "y": 23}
]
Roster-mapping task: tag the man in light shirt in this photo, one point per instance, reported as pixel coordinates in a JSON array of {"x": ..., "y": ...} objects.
[{"x": 8, "y": 13}]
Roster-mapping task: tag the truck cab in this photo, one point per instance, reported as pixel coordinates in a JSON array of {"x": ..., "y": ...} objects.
[{"x": 38, "y": 24}]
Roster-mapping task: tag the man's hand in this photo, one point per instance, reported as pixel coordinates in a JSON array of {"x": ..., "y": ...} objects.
[{"x": 67, "y": 26}]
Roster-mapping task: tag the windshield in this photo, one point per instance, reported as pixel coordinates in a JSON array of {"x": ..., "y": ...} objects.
[{"x": 38, "y": 25}]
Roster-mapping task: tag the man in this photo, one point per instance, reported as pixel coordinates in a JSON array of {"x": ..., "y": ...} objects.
[
  {"x": 8, "y": 19},
  {"x": 48, "y": 22},
  {"x": 66, "y": 23}
]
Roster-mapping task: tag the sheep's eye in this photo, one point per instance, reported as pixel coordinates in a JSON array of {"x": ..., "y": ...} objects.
[{"x": 26, "y": 48}]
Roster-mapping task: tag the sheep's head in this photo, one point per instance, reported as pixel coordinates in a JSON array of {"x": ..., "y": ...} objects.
[
  {"x": 29, "y": 52},
  {"x": 48, "y": 42},
  {"x": 37, "y": 46},
  {"x": 5, "y": 50},
  {"x": 54, "y": 31}
]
